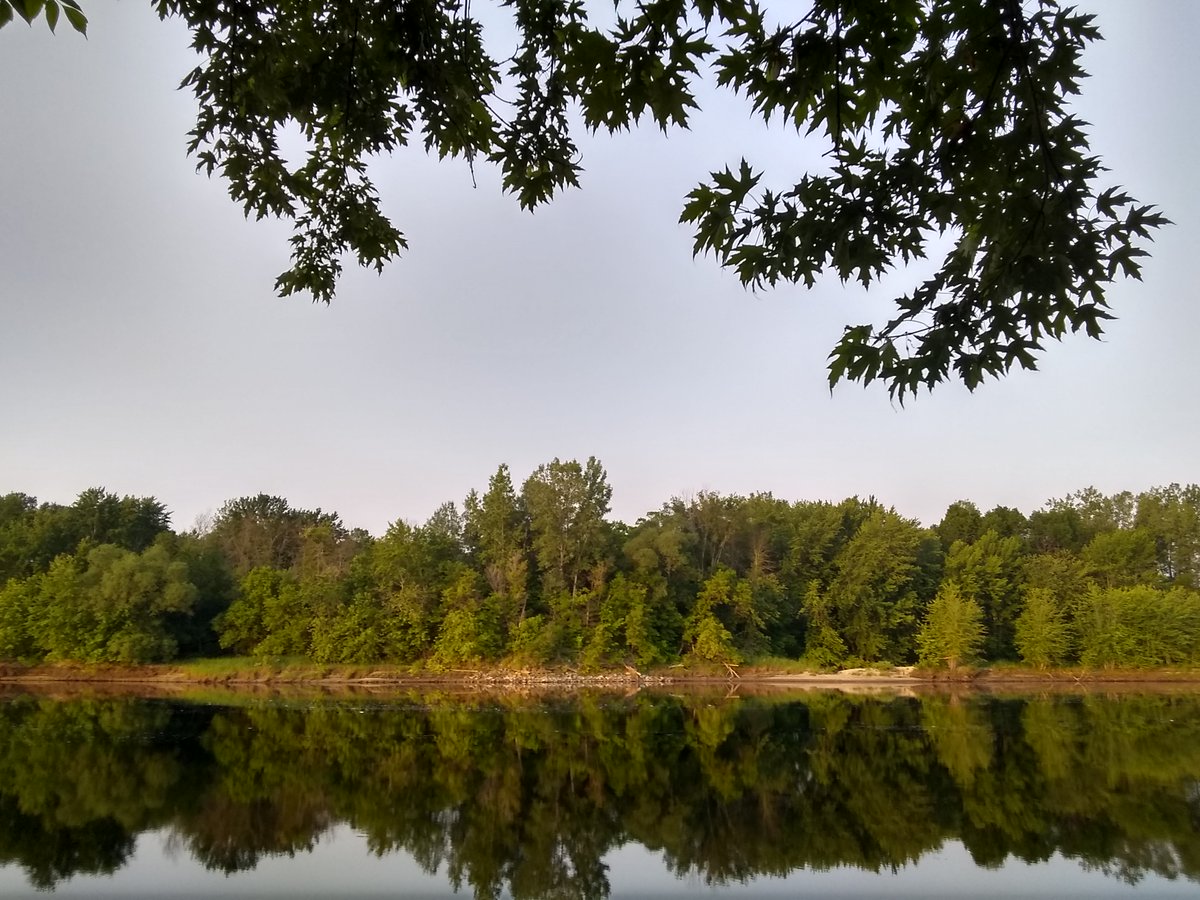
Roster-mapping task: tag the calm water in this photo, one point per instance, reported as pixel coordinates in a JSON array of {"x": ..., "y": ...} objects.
[{"x": 594, "y": 796}]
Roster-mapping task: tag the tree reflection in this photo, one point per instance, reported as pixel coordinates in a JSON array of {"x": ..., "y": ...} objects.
[{"x": 528, "y": 797}]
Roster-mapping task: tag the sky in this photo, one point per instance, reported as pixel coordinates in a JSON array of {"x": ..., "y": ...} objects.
[
  {"x": 341, "y": 864},
  {"x": 142, "y": 348}
]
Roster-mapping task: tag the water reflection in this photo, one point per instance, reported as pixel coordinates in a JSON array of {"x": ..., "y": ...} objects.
[{"x": 532, "y": 798}]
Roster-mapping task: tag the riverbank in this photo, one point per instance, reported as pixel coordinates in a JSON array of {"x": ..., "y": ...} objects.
[{"x": 257, "y": 676}]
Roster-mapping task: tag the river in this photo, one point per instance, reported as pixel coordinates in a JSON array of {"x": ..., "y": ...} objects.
[{"x": 648, "y": 794}]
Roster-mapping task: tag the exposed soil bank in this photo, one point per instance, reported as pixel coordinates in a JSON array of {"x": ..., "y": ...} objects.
[{"x": 314, "y": 679}]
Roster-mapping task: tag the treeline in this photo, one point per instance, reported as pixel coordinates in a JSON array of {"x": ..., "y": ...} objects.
[{"x": 541, "y": 575}]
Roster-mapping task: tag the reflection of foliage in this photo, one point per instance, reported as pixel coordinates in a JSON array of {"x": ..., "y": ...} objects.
[
  {"x": 50, "y": 854},
  {"x": 961, "y": 736},
  {"x": 79, "y": 780},
  {"x": 526, "y": 797}
]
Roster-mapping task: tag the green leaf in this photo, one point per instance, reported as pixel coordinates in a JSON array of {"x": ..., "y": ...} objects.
[
  {"x": 29, "y": 9},
  {"x": 52, "y": 14},
  {"x": 6, "y": 13},
  {"x": 75, "y": 16}
]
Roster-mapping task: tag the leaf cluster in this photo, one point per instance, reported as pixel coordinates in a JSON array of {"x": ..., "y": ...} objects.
[
  {"x": 947, "y": 124},
  {"x": 52, "y": 10}
]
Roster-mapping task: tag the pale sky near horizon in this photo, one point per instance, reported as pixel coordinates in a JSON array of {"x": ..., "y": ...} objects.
[{"x": 142, "y": 347}]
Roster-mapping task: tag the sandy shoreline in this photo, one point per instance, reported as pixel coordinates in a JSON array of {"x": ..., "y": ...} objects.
[{"x": 174, "y": 680}]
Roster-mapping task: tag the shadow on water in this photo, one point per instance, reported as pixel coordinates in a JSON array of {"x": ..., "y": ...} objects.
[{"x": 526, "y": 796}]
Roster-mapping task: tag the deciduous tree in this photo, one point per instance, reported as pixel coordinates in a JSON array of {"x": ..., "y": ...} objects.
[
  {"x": 953, "y": 629},
  {"x": 1043, "y": 632}
]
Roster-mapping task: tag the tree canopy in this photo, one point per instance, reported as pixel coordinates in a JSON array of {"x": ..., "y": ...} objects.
[
  {"x": 543, "y": 577},
  {"x": 950, "y": 143}
]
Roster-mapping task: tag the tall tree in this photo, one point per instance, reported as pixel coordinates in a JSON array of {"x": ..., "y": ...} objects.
[
  {"x": 567, "y": 504},
  {"x": 705, "y": 634},
  {"x": 710, "y": 516},
  {"x": 1100, "y": 512},
  {"x": 1061, "y": 574},
  {"x": 1171, "y": 514},
  {"x": 266, "y": 531},
  {"x": 1043, "y": 632},
  {"x": 1121, "y": 558},
  {"x": 131, "y": 522},
  {"x": 819, "y": 532},
  {"x": 823, "y": 645},
  {"x": 1005, "y": 521},
  {"x": 962, "y": 521},
  {"x": 1058, "y": 526},
  {"x": 470, "y": 630},
  {"x": 18, "y": 608},
  {"x": 952, "y": 631},
  {"x": 16, "y": 535},
  {"x": 873, "y": 598},
  {"x": 497, "y": 533},
  {"x": 989, "y": 572},
  {"x": 1139, "y": 626},
  {"x": 410, "y": 569}
]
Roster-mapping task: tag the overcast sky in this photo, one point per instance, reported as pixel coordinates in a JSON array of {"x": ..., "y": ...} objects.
[{"x": 142, "y": 347}]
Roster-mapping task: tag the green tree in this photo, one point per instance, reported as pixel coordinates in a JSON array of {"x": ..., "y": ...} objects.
[
  {"x": 819, "y": 532},
  {"x": 989, "y": 572},
  {"x": 1172, "y": 516},
  {"x": 349, "y": 634},
  {"x": 129, "y": 522},
  {"x": 711, "y": 518},
  {"x": 53, "y": 531},
  {"x": 61, "y": 622},
  {"x": 264, "y": 530},
  {"x": 634, "y": 624},
  {"x": 1139, "y": 626},
  {"x": 873, "y": 597},
  {"x": 1100, "y": 512},
  {"x": 1121, "y": 558},
  {"x": 470, "y": 631},
  {"x": 18, "y": 605},
  {"x": 268, "y": 616},
  {"x": 496, "y": 531},
  {"x": 1043, "y": 633},
  {"x": 112, "y": 607},
  {"x": 32, "y": 535},
  {"x": 1005, "y": 521},
  {"x": 704, "y": 633},
  {"x": 1060, "y": 573},
  {"x": 945, "y": 126},
  {"x": 1056, "y": 528},
  {"x": 567, "y": 504},
  {"x": 823, "y": 645},
  {"x": 407, "y": 577},
  {"x": 209, "y": 572},
  {"x": 953, "y": 630},
  {"x": 962, "y": 522},
  {"x": 17, "y": 549}
]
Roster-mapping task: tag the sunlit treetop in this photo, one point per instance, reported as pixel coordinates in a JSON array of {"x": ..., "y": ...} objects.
[{"x": 947, "y": 125}]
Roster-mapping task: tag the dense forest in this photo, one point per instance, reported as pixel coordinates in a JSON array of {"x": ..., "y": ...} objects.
[{"x": 540, "y": 575}]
